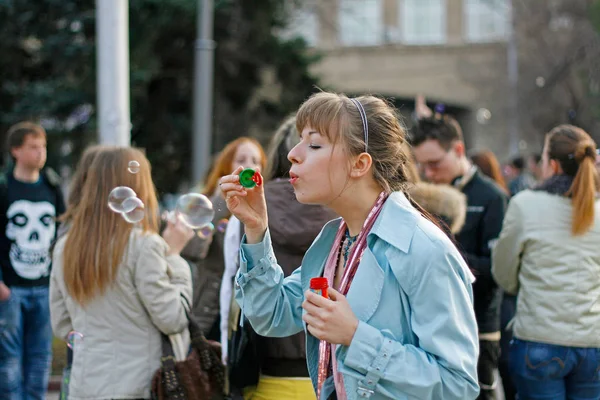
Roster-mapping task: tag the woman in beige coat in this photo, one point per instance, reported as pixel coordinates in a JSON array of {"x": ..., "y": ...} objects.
[
  {"x": 548, "y": 253},
  {"x": 118, "y": 285}
]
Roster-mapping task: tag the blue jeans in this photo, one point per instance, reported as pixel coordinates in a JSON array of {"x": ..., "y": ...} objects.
[
  {"x": 25, "y": 344},
  {"x": 551, "y": 372}
]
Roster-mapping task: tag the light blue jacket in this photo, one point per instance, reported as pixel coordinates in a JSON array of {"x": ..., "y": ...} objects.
[{"x": 417, "y": 335}]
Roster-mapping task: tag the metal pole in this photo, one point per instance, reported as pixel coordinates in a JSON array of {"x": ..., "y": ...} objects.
[
  {"x": 203, "y": 91},
  {"x": 112, "y": 35},
  {"x": 513, "y": 82}
]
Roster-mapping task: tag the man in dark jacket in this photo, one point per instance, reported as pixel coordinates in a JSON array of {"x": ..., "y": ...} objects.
[
  {"x": 30, "y": 201},
  {"x": 440, "y": 153}
]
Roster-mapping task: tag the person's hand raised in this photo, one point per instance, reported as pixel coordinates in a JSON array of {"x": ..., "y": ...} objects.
[
  {"x": 177, "y": 234},
  {"x": 248, "y": 205},
  {"x": 421, "y": 109}
]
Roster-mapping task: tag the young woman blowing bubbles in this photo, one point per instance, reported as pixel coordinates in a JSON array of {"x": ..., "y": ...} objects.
[{"x": 399, "y": 321}]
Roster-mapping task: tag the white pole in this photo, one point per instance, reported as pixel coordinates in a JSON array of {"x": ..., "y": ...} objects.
[
  {"x": 513, "y": 82},
  {"x": 112, "y": 35},
  {"x": 203, "y": 91}
]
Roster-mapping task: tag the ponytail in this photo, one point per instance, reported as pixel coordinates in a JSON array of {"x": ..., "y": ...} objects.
[
  {"x": 575, "y": 151},
  {"x": 583, "y": 189}
]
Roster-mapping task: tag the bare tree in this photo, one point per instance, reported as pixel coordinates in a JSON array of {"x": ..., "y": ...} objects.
[{"x": 559, "y": 65}]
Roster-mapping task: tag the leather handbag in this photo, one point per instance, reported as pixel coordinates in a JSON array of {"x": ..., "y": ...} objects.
[{"x": 201, "y": 376}]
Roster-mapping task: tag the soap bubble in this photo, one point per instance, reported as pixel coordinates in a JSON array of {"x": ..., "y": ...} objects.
[
  {"x": 222, "y": 225},
  {"x": 483, "y": 115},
  {"x": 74, "y": 340},
  {"x": 540, "y": 81},
  {"x": 135, "y": 211},
  {"x": 117, "y": 197},
  {"x": 133, "y": 167},
  {"x": 195, "y": 210},
  {"x": 206, "y": 231}
]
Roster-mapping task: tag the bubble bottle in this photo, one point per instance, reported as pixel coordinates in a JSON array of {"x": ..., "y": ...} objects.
[{"x": 319, "y": 286}]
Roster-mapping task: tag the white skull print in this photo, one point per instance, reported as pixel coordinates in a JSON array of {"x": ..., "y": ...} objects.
[{"x": 31, "y": 227}]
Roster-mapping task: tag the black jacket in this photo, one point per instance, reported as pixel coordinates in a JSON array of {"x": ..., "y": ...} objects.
[{"x": 486, "y": 204}]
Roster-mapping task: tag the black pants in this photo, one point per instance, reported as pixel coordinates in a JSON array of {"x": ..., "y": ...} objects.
[{"x": 489, "y": 352}]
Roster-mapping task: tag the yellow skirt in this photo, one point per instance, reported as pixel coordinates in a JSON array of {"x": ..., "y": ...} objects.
[{"x": 270, "y": 388}]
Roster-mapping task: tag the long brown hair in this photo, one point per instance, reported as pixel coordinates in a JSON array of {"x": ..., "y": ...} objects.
[
  {"x": 98, "y": 237},
  {"x": 79, "y": 178},
  {"x": 338, "y": 118},
  {"x": 488, "y": 164},
  {"x": 575, "y": 151},
  {"x": 223, "y": 163}
]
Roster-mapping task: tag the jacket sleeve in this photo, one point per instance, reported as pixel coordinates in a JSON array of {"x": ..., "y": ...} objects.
[
  {"x": 272, "y": 304},
  {"x": 59, "y": 315},
  {"x": 506, "y": 258},
  {"x": 442, "y": 361},
  {"x": 164, "y": 284},
  {"x": 489, "y": 229}
]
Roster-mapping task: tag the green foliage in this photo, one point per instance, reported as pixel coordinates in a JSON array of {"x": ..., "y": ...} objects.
[{"x": 48, "y": 69}]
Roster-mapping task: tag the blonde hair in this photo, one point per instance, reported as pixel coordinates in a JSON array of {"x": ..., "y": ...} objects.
[
  {"x": 575, "y": 151},
  {"x": 338, "y": 118},
  {"x": 98, "y": 237}
]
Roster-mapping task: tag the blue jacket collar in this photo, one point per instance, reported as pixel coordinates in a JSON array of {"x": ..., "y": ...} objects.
[{"x": 395, "y": 225}]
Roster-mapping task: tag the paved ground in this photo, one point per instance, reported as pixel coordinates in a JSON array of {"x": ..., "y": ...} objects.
[{"x": 52, "y": 396}]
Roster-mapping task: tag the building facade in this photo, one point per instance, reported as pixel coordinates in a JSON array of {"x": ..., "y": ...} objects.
[{"x": 452, "y": 51}]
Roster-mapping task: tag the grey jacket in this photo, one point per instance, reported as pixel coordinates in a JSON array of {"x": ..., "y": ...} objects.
[
  {"x": 121, "y": 346},
  {"x": 556, "y": 275}
]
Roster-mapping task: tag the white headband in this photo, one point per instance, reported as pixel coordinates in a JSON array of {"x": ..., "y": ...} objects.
[{"x": 363, "y": 117}]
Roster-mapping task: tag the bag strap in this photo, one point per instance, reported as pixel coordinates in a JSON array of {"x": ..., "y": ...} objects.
[
  {"x": 170, "y": 377},
  {"x": 172, "y": 385},
  {"x": 196, "y": 335}
]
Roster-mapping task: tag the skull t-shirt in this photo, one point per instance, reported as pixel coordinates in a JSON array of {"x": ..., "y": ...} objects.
[{"x": 29, "y": 231}]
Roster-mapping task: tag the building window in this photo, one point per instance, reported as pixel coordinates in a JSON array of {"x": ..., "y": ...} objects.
[
  {"x": 423, "y": 21},
  {"x": 303, "y": 22},
  {"x": 485, "y": 20},
  {"x": 360, "y": 22}
]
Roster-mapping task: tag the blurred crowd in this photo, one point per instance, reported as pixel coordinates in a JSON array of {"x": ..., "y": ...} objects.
[{"x": 527, "y": 231}]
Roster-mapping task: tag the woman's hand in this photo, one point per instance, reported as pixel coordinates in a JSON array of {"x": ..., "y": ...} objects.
[
  {"x": 330, "y": 319},
  {"x": 248, "y": 205},
  {"x": 177, "y": 235}
]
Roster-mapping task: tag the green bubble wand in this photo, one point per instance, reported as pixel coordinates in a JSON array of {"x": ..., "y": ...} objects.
[{"x": 250, "y": 178}]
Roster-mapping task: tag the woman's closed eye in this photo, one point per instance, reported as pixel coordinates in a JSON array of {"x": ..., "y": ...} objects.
[{"x": 314, "y": 146}]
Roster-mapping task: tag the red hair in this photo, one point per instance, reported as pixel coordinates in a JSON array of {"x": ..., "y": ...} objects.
[
  {"x": 488, "y": 164},
  {"x": 222, "y": 165}
]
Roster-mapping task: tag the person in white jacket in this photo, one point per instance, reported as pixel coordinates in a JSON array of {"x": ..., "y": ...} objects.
[
  {"x": 118, "y": 285},
  {"x": 548, "y": 255}
]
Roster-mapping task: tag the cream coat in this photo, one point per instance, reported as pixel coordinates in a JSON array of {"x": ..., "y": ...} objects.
[
  {"x": 121, "y": 347},
  {"x": 556, "y": 274}
]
